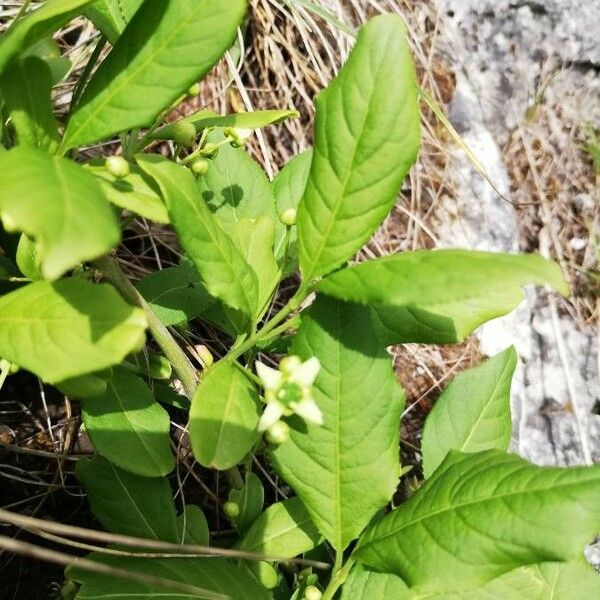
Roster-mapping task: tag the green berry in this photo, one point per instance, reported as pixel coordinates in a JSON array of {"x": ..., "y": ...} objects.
[
  {"x": 278, "y": 433},
  {"x": 312, "y": 593},
  {"x": 288, "y": 217},
  {"x": 160, "y": 367},
  {"x": 117, "y": 166},
  {"x": 184, "y": 133},
  {"x": 210, "y": 151},
  {"x": 194, "y": 90},
  {"x": 200, "y": 166},
  {"x": 231, "y": 509}
]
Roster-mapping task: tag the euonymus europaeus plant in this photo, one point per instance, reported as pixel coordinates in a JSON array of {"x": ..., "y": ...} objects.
[{"x": 309, "y": 385}]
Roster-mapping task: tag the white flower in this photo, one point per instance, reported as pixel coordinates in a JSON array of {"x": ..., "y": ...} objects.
[{"x": 288, "y": 391}]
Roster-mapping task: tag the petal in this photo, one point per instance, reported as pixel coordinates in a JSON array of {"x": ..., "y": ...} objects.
[
  {"x": 271, "y": 378},
  {"x": 273, "y": 412},
  {"x": 307, "y": 372},
  {"x": 309, "y": 411}
]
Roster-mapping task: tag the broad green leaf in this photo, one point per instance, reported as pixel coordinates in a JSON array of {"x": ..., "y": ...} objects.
[
  {"x": 331, "y": 468},
  {"x": 127, "y": 416},
  {"x": 363, "y": 584},
  {"x": 222, "y": 267},
  {"x": 242, "y": 120},
  {"x": 25, "y": 86},
  {"x": 59, "y": 205},
  {"x": 85, "y": 386},
  {"x": 288, "y": 188},
  {"x": 255, "y": 238},
  {"x": 37, "y": 25},
  {"x": 482, "y": 515},
  {"x": 441, "y": 296},
  {"x": 223, "y": 578},
  {"x": 129, "y": 504},
  {"x": 166, "y": 47},
  {"x": 236, "y": 187},
  {"x": 224, "y": 417},
  {"x": 133, "y": 193},
  {"x": 112, "y": 16},
  {"x": 68, "y": 328},
  {"x": 473, "y": 412},
  {"x": 366, "y": 139},
  {"x": 250, "y": 499},
  {"x": 544, "y": 581},
  {"x": 284, "y": 530},
  {"x": 193, "y": 526},
  {"x": 175, "y": 294}
]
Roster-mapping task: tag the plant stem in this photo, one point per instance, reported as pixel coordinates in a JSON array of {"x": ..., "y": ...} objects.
[
  {"x": 182, "y": 365},
  {"x": 338, "y": 577},
  {"x": 87, "y": 71}
]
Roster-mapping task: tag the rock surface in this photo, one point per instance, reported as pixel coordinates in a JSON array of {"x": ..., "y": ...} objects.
[{"x": 503, "y": 52}]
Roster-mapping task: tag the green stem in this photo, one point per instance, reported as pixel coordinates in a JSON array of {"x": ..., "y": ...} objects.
[
  {"x": 182, "y": 365},
  {"x": 338, "y": 577}
]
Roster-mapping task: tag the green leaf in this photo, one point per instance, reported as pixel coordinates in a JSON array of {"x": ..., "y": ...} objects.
[
  {"x": 127, "y": 416},
  {"x": 25, "y": 86},
  {"x": 28, "y": 259},
  {"x": 141, "y": 78},
  {"x": 250, "y": 499},
  {"x": 85, "y": 386},
  {"x": 59, "y": 205},
  {"x": 331, "y": 467},
  {"x": 175, "y": 294},
  {"x": 193, "y": 526},
  {"x": 133, "y": 193},
  {"x": 242, "y": 120},
  {"x": 366, "y": 139},
  {"x": 363, "y": 584},
  {"x": 284, "y": 530},
  {"x": 129, "y": 504},
  {"x": 255, "y": 238},
  {"x": 68, "y": 328},
  {"x": 473, "y": 412},
  {"x": 288, "y": 188},
  {"x": 218, "y": 575},
  {"x": 482, "y": 515},
  {"x": 112, "y": 16},
  {"x": 222, "y": 267},
  {"x": 236, "y": 187},
  {"x": 441, "y": 296},
  {"x": 224, "y": 416},
  {"x": 37, "y": 25}
]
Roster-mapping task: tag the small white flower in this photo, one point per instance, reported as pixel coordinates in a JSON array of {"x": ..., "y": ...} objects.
[{"x": 288, "y": 390}]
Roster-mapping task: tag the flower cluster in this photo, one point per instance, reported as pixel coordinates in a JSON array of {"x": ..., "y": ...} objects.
[{"x": 288, "y": 391}]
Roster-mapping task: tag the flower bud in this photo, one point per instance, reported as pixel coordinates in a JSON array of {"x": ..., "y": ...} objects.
[
  {"x": 288, "y": 217},
  {"x": 200, "y": 166},
  {"x": 117, "y": 166},
  {"x": 159, "y": 367},
  {"x": 231, "y": 509},
  {"x": 184, "y": 133},
  {"x": 278, "y": 433},
  {"x": 210, "y": 151},
  {"x": 312, "y": 593},
  {"x": 205, "y": 356},
  {"x": 194, "y": 90},
  {"x": 238, "y": 137}
]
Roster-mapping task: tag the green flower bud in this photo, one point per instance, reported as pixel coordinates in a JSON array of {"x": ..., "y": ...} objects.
[
  {"x": 231, "y": 509},
  {"x": 238, "y": 137},
  {"x": 278, "y": 433},
  {"x": 312, "y": 593},
  {"x": 288, "y": 216},
  {"x": 200, "y": 166},
  {"x": 210, "y": 151},
  {"x": 159, "y": 367},
  {"x": 184, "y": 133},
  {"x": 117, "y": 166},
  {"x": 194, "y": 90}
]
